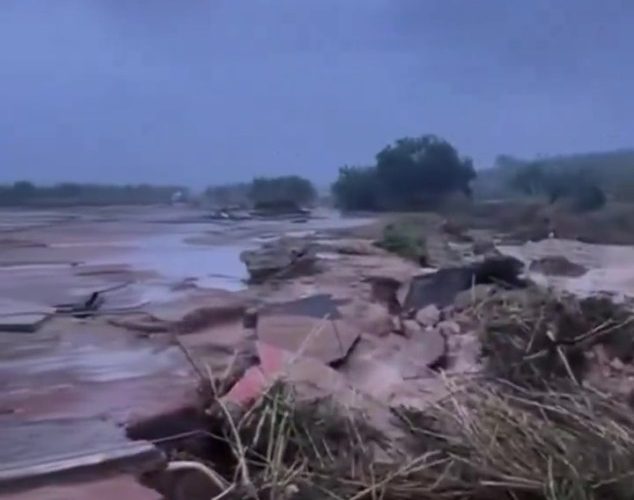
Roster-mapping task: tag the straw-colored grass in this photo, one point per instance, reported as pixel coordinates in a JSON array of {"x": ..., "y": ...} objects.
[
  {"x": 528, "y": 430},
  {"x": 487, "y": 440}
]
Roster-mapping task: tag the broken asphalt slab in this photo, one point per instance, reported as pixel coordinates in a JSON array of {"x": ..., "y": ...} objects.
[
  {"x": 19, "y": 316},
  {"x": 72, "y": 388},
  {"x": 442, "y": 287},
  {"x": 316, "y": 306},
  {"x": 326, "y": 340},
  {"x": 309, "y": 377}
]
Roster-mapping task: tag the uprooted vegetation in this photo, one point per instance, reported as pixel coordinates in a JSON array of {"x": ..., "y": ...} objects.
[
  {"x": 484, "y": 440},
  {"x": 528, "y": 425},
  {"x": 534, "y": 337}
]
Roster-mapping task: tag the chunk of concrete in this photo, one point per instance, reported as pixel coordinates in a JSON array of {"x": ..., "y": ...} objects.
[
  {"x": 326, "y": 340},
  {"x": 310, "y": 378},
  {"x": 372, "y": 318},
  {"x": 427, "y": 349},
  {"x": 442, "y": 287},
  {"x": 428, "y": 315},
  {"x": 411, "y": 328},
  {"x": 16, "y": 316},
  {"x": 448, "y": 327},
  {"x": 22, "y": 323}
]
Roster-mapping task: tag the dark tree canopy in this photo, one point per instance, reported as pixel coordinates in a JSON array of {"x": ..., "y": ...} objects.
[
  {"x": 285, "y": 190},
  {"x": 409, "y": 174},
  {"x": 357, "y": 188},
  {"x": 229, "y": 195}
]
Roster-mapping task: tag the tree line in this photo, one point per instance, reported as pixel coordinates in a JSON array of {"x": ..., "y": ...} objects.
[
  {"x": 25, "y": 193},
  {"x": 289, "y": 191}
]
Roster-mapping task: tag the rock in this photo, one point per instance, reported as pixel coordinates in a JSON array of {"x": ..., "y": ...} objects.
[
  {"x": 326, "y": 340},
  {"x": 26, "y": 317},
  {"x": 557, "y": 265},
  {"x": 428, "y": 315},
  {"x": 281, "y": 258},
  {"x": 426, "y": 349},
  {"x": 483, "y": 246},
  {"x": 411, "y": 328},
  {"x": 448, "y": 328},
  {"x": 442, "y": 287},
  {"x": 384, "y": 290},
  {"x": 373, "y": 318},
  {"x": 310, "y": 378},
  {"x": 196, "y": 309},
  {"x": 617, "y": 364},
  {"x": 211, "y": 315},
  {"x": 397, "y": 325},
  {"x": 464, "y": 352}
]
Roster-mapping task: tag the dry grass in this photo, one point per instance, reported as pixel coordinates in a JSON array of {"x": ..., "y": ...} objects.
[
  {"x": 485, "y": 441},
  {"x": 533, "y": 337},
  {"x": 529, "y": 430},
  {"x": 502, "y": 441}
]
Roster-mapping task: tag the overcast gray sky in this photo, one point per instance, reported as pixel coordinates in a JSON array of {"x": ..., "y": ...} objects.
[{"x": 202, "y": 91}]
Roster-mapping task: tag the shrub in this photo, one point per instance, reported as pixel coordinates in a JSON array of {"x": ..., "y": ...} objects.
[{"x": 282, "y": 191}]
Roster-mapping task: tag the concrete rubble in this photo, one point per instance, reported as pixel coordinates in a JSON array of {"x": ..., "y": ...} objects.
[{"x": 367, "y": 329}]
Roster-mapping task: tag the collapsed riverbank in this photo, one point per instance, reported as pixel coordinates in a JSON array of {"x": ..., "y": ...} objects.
[{"x": 360, "y": 332}]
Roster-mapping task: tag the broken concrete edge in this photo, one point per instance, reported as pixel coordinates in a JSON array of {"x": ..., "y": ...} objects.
[
  {"x": 274, "y": 366},
  {"x": 134, "y": 458},
  {"x": 23, "y": 322}
]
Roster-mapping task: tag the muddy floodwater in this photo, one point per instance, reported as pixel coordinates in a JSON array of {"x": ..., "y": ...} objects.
[
  {"x": 73, "y": 385},
  {"x": 608, "y": 268},
  {"x": 52, "y": 257}
]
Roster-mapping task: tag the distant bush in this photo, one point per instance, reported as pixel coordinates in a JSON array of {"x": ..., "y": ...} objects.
[
  {"x": 412, "y": 173},
  {"x": 282, "y": 191},
  {"x": 580, "y": 187},
  {"x": 405, "y": 240},
  {"x": 229, "y": 195},
  {"x": 588, "y": 198}
]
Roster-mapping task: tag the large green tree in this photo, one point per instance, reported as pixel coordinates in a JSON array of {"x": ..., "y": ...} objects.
[{"x": 412, "y": 173}]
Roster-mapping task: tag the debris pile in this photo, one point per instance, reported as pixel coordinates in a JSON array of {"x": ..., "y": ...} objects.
[{"x": 465, "y": 382}]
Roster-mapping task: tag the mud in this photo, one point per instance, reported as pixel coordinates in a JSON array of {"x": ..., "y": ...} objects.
[
  {"x": 174, "y": 315},
  {"x": 98, "y": 379}
]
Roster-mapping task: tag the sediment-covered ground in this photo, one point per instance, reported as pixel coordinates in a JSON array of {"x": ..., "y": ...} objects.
[{"x": 180, "y": 357}]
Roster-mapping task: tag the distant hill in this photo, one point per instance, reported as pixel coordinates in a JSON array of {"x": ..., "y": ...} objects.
[{"x": 613, "y": 171}]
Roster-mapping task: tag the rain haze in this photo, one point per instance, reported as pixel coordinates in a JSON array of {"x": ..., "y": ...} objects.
[{"x": 203, "y": 92}]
